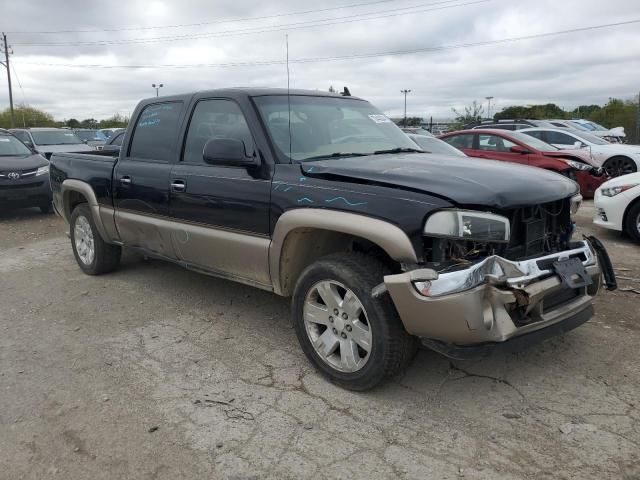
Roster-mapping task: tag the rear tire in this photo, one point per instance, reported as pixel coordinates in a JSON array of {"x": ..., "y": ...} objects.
[
  {"x": 93, "y": 254},
  {"x": 365, "y": 342},
  {"x": 632, "y": 222}
]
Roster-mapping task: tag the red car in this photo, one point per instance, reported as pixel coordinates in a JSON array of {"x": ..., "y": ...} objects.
[{"x": 517, "y": 147}]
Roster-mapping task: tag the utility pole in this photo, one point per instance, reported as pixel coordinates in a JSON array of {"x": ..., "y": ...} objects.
[
  {"x": 405, "y": 91},
  {"x": 6, "y": 51},
  {"x": 488, "y": 99}
]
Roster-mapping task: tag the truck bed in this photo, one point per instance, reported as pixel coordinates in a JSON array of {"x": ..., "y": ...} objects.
[{"x": 95, "y": 168}]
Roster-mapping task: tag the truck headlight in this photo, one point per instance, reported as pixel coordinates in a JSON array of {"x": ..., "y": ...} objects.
[
  {"x": 613, "y": 191},
  {"x": 42, "y": 171},
  {"x": 468, "y": 225}
]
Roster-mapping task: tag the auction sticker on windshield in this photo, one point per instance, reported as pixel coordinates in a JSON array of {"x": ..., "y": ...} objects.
[{"x": 380, "y": 118}]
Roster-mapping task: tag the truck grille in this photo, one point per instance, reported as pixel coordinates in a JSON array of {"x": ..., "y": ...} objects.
[{"x": 539, "y": 229}]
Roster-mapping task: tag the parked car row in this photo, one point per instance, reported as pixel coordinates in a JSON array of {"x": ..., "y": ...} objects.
[
  {"x": 616, "y": 193},
  {"x": 24, "y": 175},
  {"x": 613, "y": 135},
  {"x": 24, "y": 166}
]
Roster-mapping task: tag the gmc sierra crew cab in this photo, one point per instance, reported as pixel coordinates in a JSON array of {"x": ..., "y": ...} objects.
[{"x": 321, "y": 198}]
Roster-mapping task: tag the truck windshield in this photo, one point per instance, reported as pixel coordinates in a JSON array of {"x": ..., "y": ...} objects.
[
  {"x": 328, "y": 127},
  {"x": 10, "y": 146},
  {"x": 55, "y": 137}
]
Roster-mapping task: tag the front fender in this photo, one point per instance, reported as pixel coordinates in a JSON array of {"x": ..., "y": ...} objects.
[{"x": 387, "y": 236}]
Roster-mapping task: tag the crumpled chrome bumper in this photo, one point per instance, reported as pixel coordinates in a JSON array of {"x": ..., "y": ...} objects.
[{"x": 493, "y": 300}]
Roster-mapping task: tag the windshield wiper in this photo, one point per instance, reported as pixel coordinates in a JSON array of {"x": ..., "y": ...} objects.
[
  {"x": 399, "y": 150},
  {"x": 336, "y": 155}
]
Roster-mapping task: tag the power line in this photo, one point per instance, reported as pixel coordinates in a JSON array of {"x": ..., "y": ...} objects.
[
  {"x": 183, "y": 25},
  {"x": 347, "y": 57},
  {"x": 275, "y": 28}
]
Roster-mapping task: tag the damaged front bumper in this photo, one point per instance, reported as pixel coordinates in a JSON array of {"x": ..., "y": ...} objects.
[{"x": 497, "y": 300}]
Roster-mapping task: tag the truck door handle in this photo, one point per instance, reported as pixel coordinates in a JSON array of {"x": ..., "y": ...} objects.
[
  {"x": 126, "y": 179},
  {"x": 178, "y": 185}
]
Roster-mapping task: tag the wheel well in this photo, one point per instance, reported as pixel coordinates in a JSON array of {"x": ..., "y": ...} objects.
[
  {"x": 626, "y": 212},
  {"x": 72, "y": 199},
  {"x": 304, "y": 246}
]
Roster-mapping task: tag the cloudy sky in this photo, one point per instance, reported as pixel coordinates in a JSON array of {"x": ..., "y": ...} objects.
[{"x": 64, "y": 72}]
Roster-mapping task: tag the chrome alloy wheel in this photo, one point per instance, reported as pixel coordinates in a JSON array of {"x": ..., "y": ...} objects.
[
  {"x": 337, "y": 326},
  {"x": 83, "y": 237}
]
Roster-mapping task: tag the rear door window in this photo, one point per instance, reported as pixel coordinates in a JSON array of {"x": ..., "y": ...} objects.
[
  {"x": 156, "y": 132},
  {"x": 560, "y": 138},
  {"x": 460, "y": 141},
  {"x": 494, "y": 143}
]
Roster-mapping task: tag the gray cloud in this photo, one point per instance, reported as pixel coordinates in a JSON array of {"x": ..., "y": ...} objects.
[{"x": 587, "y": 67}]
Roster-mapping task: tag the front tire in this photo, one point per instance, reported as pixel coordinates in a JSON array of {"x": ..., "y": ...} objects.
[
  {"x": 632, "y": 223},
  {"x": 617, "y": 166},
  {"x": 93, "y": 254},
  {"x": 352, "y": 338}
]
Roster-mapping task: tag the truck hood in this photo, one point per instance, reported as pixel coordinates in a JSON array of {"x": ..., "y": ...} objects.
[{"x": 463, "y": 181}]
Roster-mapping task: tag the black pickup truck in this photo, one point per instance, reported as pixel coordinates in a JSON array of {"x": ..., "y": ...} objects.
[{"x": 321, "y": 198}]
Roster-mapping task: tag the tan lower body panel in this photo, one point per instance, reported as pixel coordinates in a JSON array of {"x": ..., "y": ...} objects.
[
  {"x": 480, "y": 314},
  {"x": 226, "y": 253}
]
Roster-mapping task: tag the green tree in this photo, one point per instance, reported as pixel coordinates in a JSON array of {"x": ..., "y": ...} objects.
[
  {"x": 585, "y": 111},
  {"x": 538, "y": 112},
  {"x": 115, "y": 121},
  {"x": 89, "y": 123},
  {"x": 472, "y": 113},
  {"x": 618, "y": 113},
  {"x": 72, "y": 123},
  {"x": 26, "y": 116}
]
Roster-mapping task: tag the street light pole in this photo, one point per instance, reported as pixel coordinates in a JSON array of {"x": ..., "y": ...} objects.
[
  {"x": 157, "y": 87},
  {"x": 405, "y": 91},
  {"x": 488, "y": 99},
  {"x": 6, "y": 48}
]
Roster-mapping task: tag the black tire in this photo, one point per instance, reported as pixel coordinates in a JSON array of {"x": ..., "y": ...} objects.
[
  {"x": 392, "y": 348},
  {"x": 46, "y": 208},
  {"x": 106, "y": 257},
  {"x": 619, "y": 165},
  {"x": 632, "y": 222}
]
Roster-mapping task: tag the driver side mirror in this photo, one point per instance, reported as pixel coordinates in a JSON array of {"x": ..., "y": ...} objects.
[
  {"x": 228, "y": 152},
  {"x": 519, "y": 149},
  {"x": 577, "y": 145}
]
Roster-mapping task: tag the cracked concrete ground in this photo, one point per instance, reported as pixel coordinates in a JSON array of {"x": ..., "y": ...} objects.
[{"x": 154, "y": 372}]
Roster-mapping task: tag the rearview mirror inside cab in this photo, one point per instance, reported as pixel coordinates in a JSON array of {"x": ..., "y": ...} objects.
[{"x": 227, "y": 152}]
